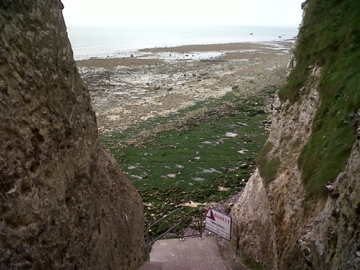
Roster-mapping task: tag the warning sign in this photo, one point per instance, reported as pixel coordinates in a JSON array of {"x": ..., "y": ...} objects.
[{"x": 218, "y": 223}]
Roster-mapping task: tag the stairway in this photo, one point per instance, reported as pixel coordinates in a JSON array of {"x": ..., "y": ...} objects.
[{"x": 191, "y": 254}]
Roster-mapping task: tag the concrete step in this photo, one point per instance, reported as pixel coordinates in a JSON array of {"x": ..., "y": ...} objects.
[
  {"x": 151, "y": 266},
  {"x": 194, "y": 266},
  {"x": 191, "y": 254}
]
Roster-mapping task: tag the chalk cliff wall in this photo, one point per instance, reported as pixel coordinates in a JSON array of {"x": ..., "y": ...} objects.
[
  {"x": 65, "y": 204},
  {"x": 301, "y": 207}
]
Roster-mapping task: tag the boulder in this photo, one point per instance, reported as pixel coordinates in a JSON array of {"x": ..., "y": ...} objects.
[{"x": 65, "y": 204}]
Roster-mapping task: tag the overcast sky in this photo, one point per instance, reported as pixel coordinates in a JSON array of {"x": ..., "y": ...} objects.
[{"x": 228, "y": 12}]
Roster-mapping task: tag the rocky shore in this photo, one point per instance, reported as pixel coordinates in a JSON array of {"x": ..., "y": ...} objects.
[{"x": 157, "y": 82}]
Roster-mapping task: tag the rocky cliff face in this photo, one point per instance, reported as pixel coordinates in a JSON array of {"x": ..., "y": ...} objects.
[
  {"x": 65, "y": 204},
  {"x": 287, "y": 220}
]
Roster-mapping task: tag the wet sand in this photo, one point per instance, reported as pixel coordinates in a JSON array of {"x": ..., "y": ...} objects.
[{"x": 159, "y": 81}]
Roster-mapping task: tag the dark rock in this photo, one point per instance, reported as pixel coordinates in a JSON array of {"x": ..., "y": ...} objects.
[
  {"x": 5, "y": 3},
  {"x": 65, "y": 202},
  {"x": 303, "y": 4}
]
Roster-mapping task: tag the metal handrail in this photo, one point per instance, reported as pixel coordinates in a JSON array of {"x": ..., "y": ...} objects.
[{"x": 149, "y": 243}]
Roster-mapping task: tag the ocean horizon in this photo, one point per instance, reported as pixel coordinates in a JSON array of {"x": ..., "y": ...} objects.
[{"x": 120, "y": 41}]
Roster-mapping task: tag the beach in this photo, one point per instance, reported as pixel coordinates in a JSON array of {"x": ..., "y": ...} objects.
[{"x": 160, "y": 81}]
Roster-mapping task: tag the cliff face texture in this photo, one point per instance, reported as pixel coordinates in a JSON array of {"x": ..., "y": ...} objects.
[
  {"x": 301, "y": 207},
  {"x": 65, "y": 204}
]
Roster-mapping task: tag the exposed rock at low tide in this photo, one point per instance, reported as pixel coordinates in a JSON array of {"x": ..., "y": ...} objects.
[{"x": 158, "y": 85}]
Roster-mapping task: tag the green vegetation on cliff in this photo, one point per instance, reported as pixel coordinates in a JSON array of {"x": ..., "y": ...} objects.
[
  {"x": 329, "y": 38},
  {"x": 268, "y": 167}
]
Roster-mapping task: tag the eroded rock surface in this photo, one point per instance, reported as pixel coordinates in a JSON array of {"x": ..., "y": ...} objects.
[
  {"x": 282, "y": 226},
  {"x": 65, "y": 204}
]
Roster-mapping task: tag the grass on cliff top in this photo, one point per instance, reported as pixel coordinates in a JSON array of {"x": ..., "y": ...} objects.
[
  {"x": 330, "y": 39},
  {"x": 207, "y": 160}
]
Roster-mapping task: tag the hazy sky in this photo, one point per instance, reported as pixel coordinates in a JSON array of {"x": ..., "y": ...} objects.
[{"x": 234, "y": 12}]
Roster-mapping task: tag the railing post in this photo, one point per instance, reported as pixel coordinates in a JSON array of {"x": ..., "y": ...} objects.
[
  {"x": 147, "y": 245},
  {"x": 200, "y": 226},
  {"x": 236, "y": 238},
  {"x": 237, "y": 241},
  {"x": 182, "y": 238}
]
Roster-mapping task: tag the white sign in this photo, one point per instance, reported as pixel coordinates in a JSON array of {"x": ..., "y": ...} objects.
[{"x": 218, "y": 223}]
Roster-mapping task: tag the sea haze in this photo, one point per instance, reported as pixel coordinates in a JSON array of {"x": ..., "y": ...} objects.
[{"x": 120, "y": 41}]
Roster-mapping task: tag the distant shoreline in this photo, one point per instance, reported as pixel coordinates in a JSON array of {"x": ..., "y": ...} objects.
[
  {"x": 143, "y": 57},
  {"x": 214, "y": 47},
  {"x": 118, "y": 42},
  {"x": 161, "y": 81}
]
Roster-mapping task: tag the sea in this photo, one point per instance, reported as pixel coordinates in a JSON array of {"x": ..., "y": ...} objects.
[{"x": 119, "y": 41}]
